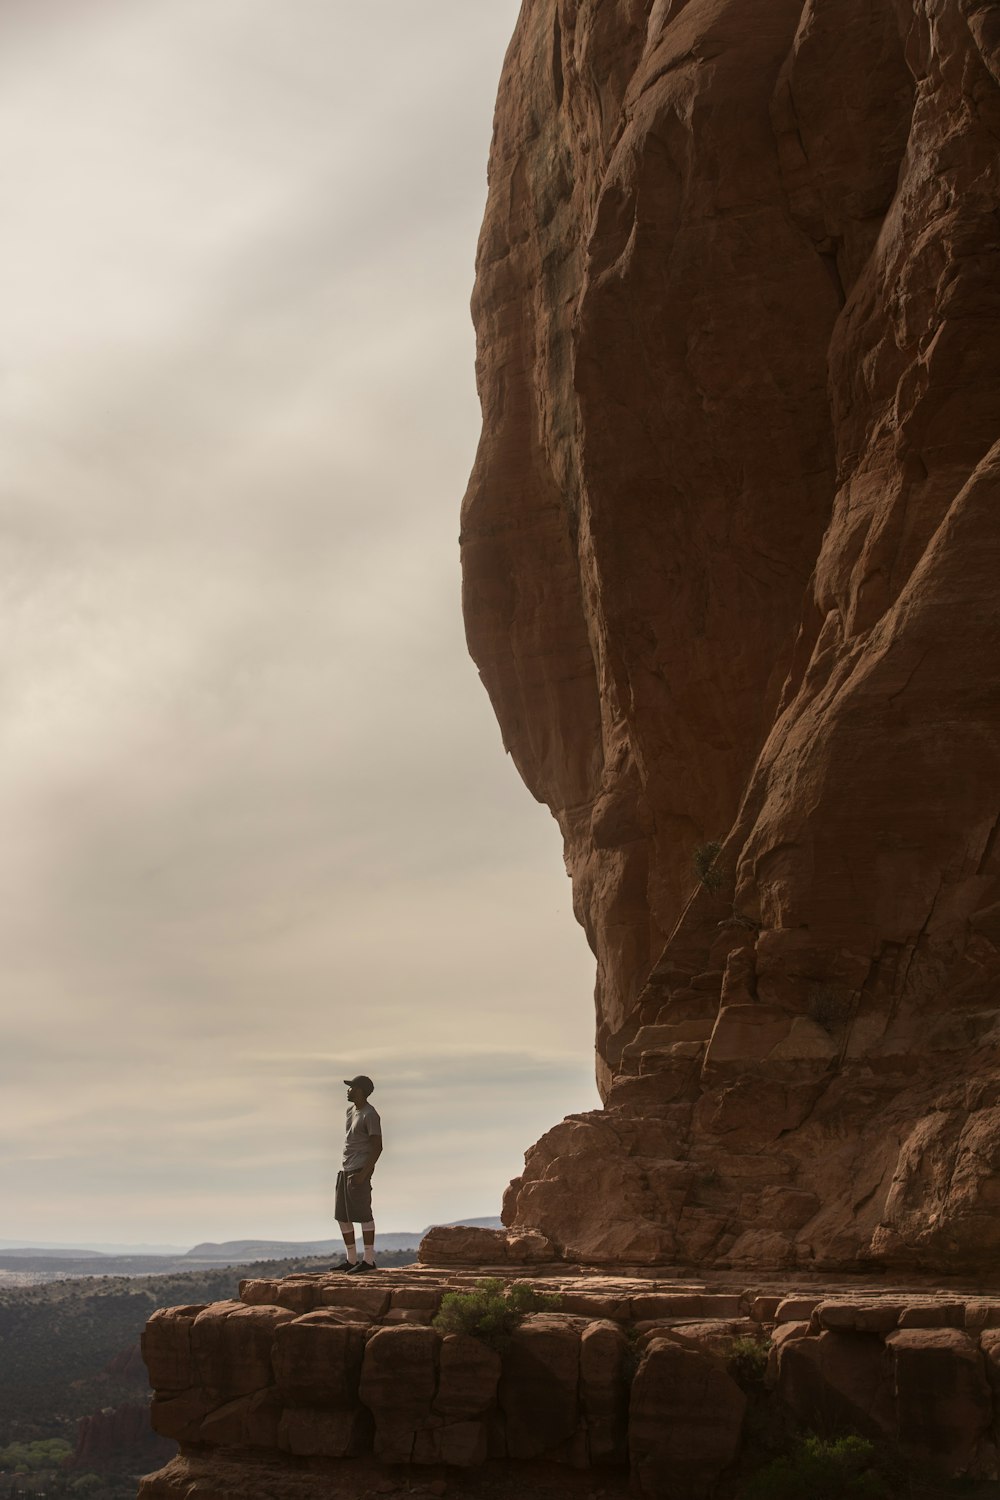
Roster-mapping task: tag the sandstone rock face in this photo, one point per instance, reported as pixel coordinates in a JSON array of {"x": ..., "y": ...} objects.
[
  {"x": 730, "y": 554},
  {"x": 539, "y": 1389},
  {"x": 686, "y": 1420},
  {"x": 922, "y": 1389},
  {"x": 629, "y": 1373}
]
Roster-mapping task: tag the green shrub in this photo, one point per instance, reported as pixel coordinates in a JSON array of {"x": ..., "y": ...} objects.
[
  {"x": 818, "y": 1470},
  {"x": 491, "y": 1311},
  {"x": 704, "y": 863},
  {"x": 748, "y": 1362}
]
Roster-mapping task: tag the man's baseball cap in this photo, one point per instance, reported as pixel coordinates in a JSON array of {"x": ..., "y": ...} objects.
[{"x": 362, "y": 1082}]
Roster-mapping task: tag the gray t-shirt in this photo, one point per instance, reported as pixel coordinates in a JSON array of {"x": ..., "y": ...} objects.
[{"x": 364, "y": 1128}]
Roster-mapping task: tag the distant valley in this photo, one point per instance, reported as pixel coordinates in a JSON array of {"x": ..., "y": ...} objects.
[
  {"x": 27, "y": 1265},
  {"x": 69, "y": 1350}
]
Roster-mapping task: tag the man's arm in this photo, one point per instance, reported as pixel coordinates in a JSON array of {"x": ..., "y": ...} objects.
[{"x": 375, "y": 1150}]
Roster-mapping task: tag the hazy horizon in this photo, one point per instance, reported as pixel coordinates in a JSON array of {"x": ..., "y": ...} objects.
[
  {"x": 118, "y": 1248},
  {"x": 260, "y": 831}
]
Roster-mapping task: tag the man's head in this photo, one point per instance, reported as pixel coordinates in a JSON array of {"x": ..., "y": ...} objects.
[{"x": 359, "y": 1088}]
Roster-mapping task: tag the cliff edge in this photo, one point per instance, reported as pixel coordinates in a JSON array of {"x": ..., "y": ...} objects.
[{"x": 731, "y": 566}]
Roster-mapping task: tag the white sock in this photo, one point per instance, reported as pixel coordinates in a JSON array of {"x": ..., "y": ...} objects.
[{"x": 350, "y": 1244}]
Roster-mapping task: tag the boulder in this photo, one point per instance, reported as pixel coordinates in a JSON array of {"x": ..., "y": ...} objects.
[
  {"x": 605, "y": 1359},
  {"x": 300, "y": 1293},
  {"x": 317, "y": 1360},
  {"x": 539, "y": 1386},
  {"x": 528, "y": 1247},
  {"x": 837, "y": 1382},
  {"x": 782, "y": 1334},
  {"x": 166, "y": 1348},
  {"x": 248, "y": 1422},
  {"x": 687, "y": 1305},
  {"x": 980, "y": 1312},
  {"x": 933, "y": 1315},
  {"x": 231, "y": 1346},
  {"x": 468, "y": 1378},
  {"x": 944, "y": 1408},
  {"x": 421, "y": 1298},
  {"x": 398, "y": 1385},
  {"x": 863, "y": 1317},
  {"x": 795, "y": 1309},
  {"x": 461, "y": 1245},
  {"x": 685, "y": 1422},
  {"x": 596, "y": 1304},
  {"x": 260, "y": 1292},
  {"x": 716, "y": 1335},
  {"x": 179, "y": 1416},
  {"x": 367, "y": 1302}
]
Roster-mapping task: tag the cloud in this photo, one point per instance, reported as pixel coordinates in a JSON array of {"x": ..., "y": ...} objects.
[
  {"x": 257, "y": 815},
  {"x": 271, "y": 1132}
]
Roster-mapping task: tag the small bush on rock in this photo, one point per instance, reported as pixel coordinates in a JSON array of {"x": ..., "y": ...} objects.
[
  {"x": 839, "y": 1470},
  {"x": 747, "y": 1363},
  {"x": 704, "y": 863},
  {"x": 491, "y": 1311}
]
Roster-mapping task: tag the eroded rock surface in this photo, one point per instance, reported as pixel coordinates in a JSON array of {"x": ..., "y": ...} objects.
[
  {"x": 731, "y": 567},
  {"x": 308, "y": 1386}
]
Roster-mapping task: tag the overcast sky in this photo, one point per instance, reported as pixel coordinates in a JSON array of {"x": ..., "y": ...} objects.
[{"x": 258, "y": 828}]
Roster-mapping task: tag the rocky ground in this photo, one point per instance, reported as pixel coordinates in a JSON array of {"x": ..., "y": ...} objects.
[{"x": 314, "y": 1385}]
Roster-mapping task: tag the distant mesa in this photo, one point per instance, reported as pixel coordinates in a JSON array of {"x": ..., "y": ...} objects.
[
  {"x": 49, "y": 1253},
  {"x": 86, "y": 1247},
  {"x": 248, "y": 1250}
]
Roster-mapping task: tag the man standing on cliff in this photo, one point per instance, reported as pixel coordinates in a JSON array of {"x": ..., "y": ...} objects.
[{"x": 362, "y": 1149}]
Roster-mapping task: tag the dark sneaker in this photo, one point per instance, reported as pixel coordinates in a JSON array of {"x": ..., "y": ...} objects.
[
  {"x": 342, "y": 1265},
  {"x": 361, "y": 1267}
]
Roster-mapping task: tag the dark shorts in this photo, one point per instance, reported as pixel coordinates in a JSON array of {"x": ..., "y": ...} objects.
[{"x": 354, "y": 1203}]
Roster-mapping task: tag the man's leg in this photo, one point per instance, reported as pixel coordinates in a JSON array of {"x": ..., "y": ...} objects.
[
  {"x": 368, "y": 1234},
  {"x": 350, "y": 1244}
]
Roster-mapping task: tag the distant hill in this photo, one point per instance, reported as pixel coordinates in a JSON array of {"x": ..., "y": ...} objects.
[
  {"x": 86, "y": 1247},
  {"x": 49, "y": 1252},
  {"x": 258, "y": 1249},
  {"x": 405, "y": 1239},
  {"x": 46, "y": 1261}
]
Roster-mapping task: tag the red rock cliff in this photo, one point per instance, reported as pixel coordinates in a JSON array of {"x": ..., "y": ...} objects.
[{"x": 732, "y": 575}]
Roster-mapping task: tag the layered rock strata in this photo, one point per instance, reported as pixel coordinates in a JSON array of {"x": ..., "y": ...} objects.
[
  {"x": 301, "y": 1385},
  {"x": 731, "y": 568}
]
